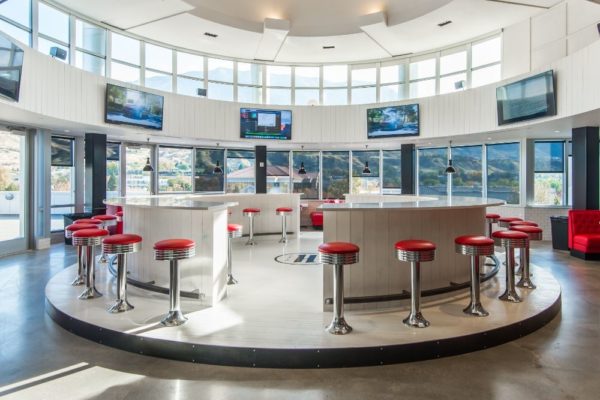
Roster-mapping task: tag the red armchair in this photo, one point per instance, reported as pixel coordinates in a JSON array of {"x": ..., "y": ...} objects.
[
  {"x": 584, "y": 234},
  {"x": 317, "y": 219}
]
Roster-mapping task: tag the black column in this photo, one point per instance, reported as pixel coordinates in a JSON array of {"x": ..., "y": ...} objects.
[
  {"x": 260, "y": 154},
  {"x": 585, "y": 173},
  {"x": 95, "y": 173},
  {"x": 408, "y": 168}
]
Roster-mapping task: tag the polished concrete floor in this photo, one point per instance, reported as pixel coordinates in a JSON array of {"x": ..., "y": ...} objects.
[{"x": 39, "y": 360}]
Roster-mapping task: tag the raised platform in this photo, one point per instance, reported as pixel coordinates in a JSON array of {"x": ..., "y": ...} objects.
[{"x": 274, "y": 318}]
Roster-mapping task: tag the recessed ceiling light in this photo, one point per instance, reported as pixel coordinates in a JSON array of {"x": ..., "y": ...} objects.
[
  {"x": 66, "y": 130},
  {"x": 444, "y": 23},
  {"x": 556, "y": 131},
  {"x": 212, "y": 35},
  {"x": 489, "y": 138},
  {"x": 328, "y": 47}
]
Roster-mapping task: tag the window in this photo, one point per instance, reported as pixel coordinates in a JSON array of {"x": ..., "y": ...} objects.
[
  {"x": 21, "y": 35},
  {"x": 13, "y": 183},
  {"x": 137, "y": 182},
  {"x": 467, "y": 181},
  {"x": 306, "y": 97},
  {"x": 279, "y": 96},
  {"x": 125, "y": 73},
  {"x": 549, "y": 173},
  {"x": 503, "y": 166},
  {"x": 392, "y": 171},
  {"x": 220, "y": 70},
  {"x": 174, "y": 169},
  {"x": 335, "y": 75},
  {"x": 432, "y": 167},
  {"x": 279, "y": 80},
  {"x": 220, "y": 91},
  {"x": 453, "y": 72},
  {"x": 125, "y": 53},
  {"x": 307, "y": 86},
  {"x": 190, "y": 73},
  {"x": 422, "y": 88},
  {"x": 278, "y": 171},
  {"x": 363, "y": 82},
  {"x": 336, "y": 174},
  {"x": 159, "y": 81},
  {"x": 206, "y": 179},
  {"x": 18, "y": 19},
  {"x": 240, "y": 171},
  {"x": 53, "y": 26},
  {"x": 250, "y": 94},
  {"x": 422, "y": 78},
  {"x": 365, "y": 172},
  {"x": 159, "y": 66},
  {"x": 113, "y": 170},
  {"x": 307, "y": 183},
  {"x": 487, "y": 75},
  {"x": 335, "y": 97},
  {"x": 90, "y": 41},
  {"x": 249, "y": 83},
  {"x": 62, "y": 180},
  {"x": 486, "y": 59}
]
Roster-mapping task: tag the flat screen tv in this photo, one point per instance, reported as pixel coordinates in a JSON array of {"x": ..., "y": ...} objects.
[
  {"x": 393, "y": 121},
  {"x": 530, "y": 98},
  {"x": 265, "y": 124},
  {"x": 133, "y": 107},
  {"x": 11, "y": 66}
]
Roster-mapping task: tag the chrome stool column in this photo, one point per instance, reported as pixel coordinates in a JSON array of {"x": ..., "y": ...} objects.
[
  {"x": 415, "y": 252},
  {"x": 504, "y": 222},
  {"x": 250, "y": 213},
  {"x": 107, "y": 221},
  {"x": 174, "y": 250},
  {"x": 510, "y": 240},
  {"x": 491, "y": 219},
  {"x": 80, "y": 279},
  {"x": 475, "y": 247},
  {"x": 121, "y": 245},
  {"x": 284, "y": 212},
  {"x": 233, "y": 231},
  {"x": 89, "y": 238},
  {"x": 338, "y": 254},
  {"x": 534, "y": 233},
  {"x": 519, "y": 270}
]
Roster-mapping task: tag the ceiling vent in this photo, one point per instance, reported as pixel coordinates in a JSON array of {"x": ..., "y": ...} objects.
[
  {"x": 328, "y": 47},
  {"x": 444, "y": 23},
  {"x": 212, "y": 35}
]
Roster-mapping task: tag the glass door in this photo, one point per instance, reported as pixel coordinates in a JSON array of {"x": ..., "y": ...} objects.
[{"x": 13, "y": 192}]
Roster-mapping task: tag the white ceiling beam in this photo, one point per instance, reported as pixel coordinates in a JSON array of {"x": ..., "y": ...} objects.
[
  {"x": 274, "y": 33},
  {"x": 375, "y": 26}
]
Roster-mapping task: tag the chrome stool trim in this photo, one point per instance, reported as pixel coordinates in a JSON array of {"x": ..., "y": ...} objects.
[
  {"x": 234, "y": 234},
  {"x": 80, "y": 279},
  {"x": 415, "y": 256},
  {"x": 87, "y": 241},
  {"x": 180, "y": 254},
  {"x": 284, "y": 215},
  {"x": 338, "y": 258},
  {"x": 250, "y": 215},
  {"x": 510, "y": 294},
  {"x": 108, "y": 222},
  {"x": 488, "y": 233},
  {"x": 475, "y": 307},
  {"x": 121, "y": 250},
  {"x": 470, "y": 250},
  {"x": 505, "y": 224},
  {"x": 231, "y": 235},
  {"x": 415, "y": 318}
]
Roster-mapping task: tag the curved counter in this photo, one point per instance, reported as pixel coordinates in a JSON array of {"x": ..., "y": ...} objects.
[{"x": 376, "y": 222}]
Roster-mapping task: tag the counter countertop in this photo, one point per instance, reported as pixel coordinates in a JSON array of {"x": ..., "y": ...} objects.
[
  {"x": 184, "y": 202},
  {"x": 424, "y": 203}
]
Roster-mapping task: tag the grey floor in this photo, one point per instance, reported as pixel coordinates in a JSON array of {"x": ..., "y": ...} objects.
[{"x": 39, "y": 360}]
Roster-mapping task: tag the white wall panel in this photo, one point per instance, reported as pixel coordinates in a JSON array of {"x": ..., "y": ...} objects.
[
  {"x": 516, "y": 49},
  {"x": 549, "y": 26},
  {"x": 547, "y": 53}
]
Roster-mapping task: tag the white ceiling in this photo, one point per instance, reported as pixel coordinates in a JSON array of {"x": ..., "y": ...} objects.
[{"x": 405, "y": 26}]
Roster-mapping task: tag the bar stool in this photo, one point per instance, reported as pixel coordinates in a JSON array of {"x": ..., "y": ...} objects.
[
  {"x": 121, "y": 245},
  {"x": 284, "y": 212},
  {"x": 475, "y": 247},
  {"x": 491, "y": 219},
  {"x": 119, "y": 215},
  {"x": 89, "y": 239},
  {"x": 250, "y": 213},
  {"x": 338, "y": 254},
  {"x": 96, "y": 222},
  {"x": 534, "y": 233},
  {"x": 505, "y": 221},
  {"x": 174, "y": 250},
  {"x": 233, "y": 231},
  {"x": 415, "y": 252},
  {"x": 107, "y": 221},
  {"x": 510, "y": 240},
  {"x": 80, "y": 279},
  {"x": 528, "y": 223}
]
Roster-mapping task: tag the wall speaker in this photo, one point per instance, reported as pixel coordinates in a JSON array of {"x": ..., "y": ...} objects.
[
  {"x": 59, "y": 53},
  {"x": 459, "y": 85},
  {"x": 201, "y": 92},
  {"x": 598, "y": 26}
]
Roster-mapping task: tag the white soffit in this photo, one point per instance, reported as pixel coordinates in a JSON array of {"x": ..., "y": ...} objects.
[
  {"x": 274, "y": 33},
  {"x": 230, "y": 42},
  {"x": 125, "y": 14}
]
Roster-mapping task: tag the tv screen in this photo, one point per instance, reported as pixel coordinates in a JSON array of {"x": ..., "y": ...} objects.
[
  {"x": 11, "y": 65},
  {"x": 393, "y": 121},
  {"x": 533, "y": 97},
  {"x": 265, "y": 124},
  {"x": 133, "y": 107}
]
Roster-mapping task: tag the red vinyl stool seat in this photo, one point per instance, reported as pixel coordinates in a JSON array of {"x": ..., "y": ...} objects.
[
  {"x": 88, "y": 239},
  {"x": 94, "y": 221},
  {"x": 492, "y": 216},
  {"x": 251, "y": 212},
  {"x": 107, "y": 220},
  {"x": 530, "y": 223},
  {"x": 174, "y": 250},
  {"x": 415, "y": 251},
  {"x": 233, "y": 231},
  {"x": 80, "y": 279},
  {"x": 505, "y": 221},
  {"x": 475, "y": 247},
  {"x": 283, "y": 212},
  {"x": 121, "y": 245},
  {"x": 511, "y": 240},
  {"x": 338, "y": 254},
  {"x": 534, "y": 233}
]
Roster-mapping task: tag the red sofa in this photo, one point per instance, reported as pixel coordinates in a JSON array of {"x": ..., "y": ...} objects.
[{"x": 584, "y": 234}]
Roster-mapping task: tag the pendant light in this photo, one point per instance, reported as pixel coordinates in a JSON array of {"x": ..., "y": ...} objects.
[
  {"x": 366, "y": 170},
  {"x": 302, "y": 170},
  {"x": 450, "y": 169},
  {"x": 148, "y": 166},
  {"x": 217, "y": 170}
]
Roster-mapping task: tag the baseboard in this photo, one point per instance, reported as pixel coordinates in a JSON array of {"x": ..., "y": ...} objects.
[{"x": 585, "y": 256}]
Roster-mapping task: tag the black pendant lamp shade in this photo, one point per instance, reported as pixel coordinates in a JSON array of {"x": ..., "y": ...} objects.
[
  {"x": 148, "y": 166},
  {"x": 450, "y": 169},
  {"x": 366, "y": 169},
  {"x": 217, "y": 170},
  {"x": 302, "y": 170}
]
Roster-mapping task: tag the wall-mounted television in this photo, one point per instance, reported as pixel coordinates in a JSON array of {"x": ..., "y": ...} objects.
[
  {"x": 11, "y": 66},
  {"x": 133, "y": 107},
  {"x": 530, "y": 98},
  {"x": 393, "y": 121},
  {"x": 265, "y": 124}
]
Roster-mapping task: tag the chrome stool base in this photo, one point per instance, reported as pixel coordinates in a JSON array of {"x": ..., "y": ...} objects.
[
  {"x": 495, "y": 262},
  {"x": 416, "y": 320},
  {"x": 80, "y": 280},
  {"x": 231, "y": 280},
  {"x": 120, "y": 306},
  {"x": 476, "y": 309},
  {"x": 90, "y": 293},
  {"x": 338, "y": 326},
  {"x": 511, "y": 296},
  {"x": 283, "y": 240},
  {"x": 526, "y": 283},
  {"x": 251, "y": 242},
  {"x": 174, "y": 318}
]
